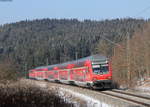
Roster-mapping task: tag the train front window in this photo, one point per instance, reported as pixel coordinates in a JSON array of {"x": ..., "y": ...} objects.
[{"x": 100, "y": 69}]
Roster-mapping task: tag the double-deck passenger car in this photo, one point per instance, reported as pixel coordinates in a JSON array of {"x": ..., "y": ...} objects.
[{"x": 94, "y": 71}]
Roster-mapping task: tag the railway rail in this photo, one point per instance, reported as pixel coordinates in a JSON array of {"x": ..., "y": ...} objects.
[
  {"x": 138, "y": 99},
  {"x": 131, "y": 94}
]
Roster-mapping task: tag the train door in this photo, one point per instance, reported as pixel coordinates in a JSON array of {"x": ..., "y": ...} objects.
[
  {"x": 80, "y": 74},
  {"x": 55, "y": 74},
  {"x": 87, "y": 74},
  {"x": 43, "y": 73},
  {"x": 71, "y": 72},
  {"x": 63, "y": 74},
  {"x": 50, "y": 75},
  {"x": 31, "y": 74},
  {"x": 40, "y": 74}
]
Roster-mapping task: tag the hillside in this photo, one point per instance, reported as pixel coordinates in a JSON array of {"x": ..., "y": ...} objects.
[{"x": 50, "y": 41}]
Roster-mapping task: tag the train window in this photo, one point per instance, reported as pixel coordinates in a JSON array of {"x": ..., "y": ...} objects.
[
  {"x": 55, "y": 72},
  {"x": 104, "y": 69},
  {"x": 86, "y": 71},
  {"x": 97, "y": 71},
  {"x": 100, "y": 69}
]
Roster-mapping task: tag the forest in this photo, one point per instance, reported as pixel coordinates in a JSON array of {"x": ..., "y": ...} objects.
[{"x": 30, "y": 43}]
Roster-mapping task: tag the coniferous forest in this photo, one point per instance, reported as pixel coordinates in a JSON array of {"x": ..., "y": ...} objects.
[{"x": 28, "y": 44}]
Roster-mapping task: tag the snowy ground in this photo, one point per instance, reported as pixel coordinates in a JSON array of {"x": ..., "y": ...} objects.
[
  {"x": 144, "y": 86},
  {"x": 90, "y": 102}
]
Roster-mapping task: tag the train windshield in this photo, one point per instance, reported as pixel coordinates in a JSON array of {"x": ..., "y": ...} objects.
[{"x": 100, "y": 69}]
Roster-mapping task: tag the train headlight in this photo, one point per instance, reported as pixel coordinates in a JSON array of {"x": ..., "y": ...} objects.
[{"x": 109, "y": 77}]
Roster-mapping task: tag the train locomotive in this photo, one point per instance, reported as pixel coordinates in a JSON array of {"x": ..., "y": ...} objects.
[{"x": 93, "y": 72}]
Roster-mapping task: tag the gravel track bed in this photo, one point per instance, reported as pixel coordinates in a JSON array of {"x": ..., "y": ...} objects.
[
  {"x": 144, "y": 102},
  {"x": 137, "y": 92},
  {"x": 134, "y": 93}
]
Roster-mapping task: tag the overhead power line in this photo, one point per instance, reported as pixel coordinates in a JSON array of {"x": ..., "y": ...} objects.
[{"x": 142, "y": 11}]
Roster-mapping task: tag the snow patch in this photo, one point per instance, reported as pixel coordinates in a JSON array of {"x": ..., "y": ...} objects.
[
  {"x": 41, "y": 84},
  {"x": 144, "y": 85},
  {"x": 90, "y": 102}
]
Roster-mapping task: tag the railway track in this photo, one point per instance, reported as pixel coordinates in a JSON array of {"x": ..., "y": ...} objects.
[
  {"x": 137, "y": 99},
  {"x": 140, "y": 100},
  {"x": 131, "y": 94}
]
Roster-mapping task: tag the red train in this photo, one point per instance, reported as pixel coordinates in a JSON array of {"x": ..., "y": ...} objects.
[{"x": 93, "y": 71}]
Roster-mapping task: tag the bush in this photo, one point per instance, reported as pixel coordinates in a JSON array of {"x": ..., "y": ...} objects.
[{"x": 29, "y": 96}]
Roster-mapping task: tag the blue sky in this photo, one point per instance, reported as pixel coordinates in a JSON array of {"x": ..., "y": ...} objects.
[{"x": 18, "y": 10}]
